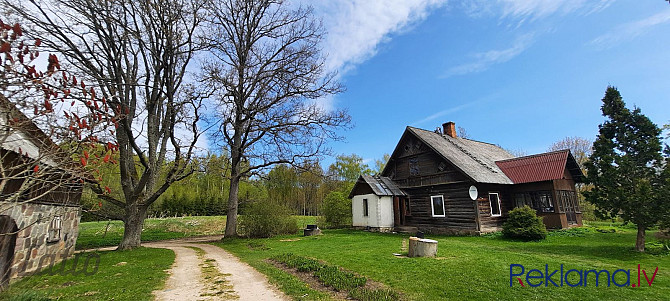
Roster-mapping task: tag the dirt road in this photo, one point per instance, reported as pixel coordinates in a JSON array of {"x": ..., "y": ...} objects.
[{"x": 206, "y": 272}]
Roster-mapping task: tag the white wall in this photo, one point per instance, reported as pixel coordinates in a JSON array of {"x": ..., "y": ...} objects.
[{"x": 380, "y": 211}]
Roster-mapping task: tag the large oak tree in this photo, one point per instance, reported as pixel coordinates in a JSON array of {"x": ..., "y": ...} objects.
[
  {"x": 268, "y": 71},
  {"x": 136, "y": 54}
]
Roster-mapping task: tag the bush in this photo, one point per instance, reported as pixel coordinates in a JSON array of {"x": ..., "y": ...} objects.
[
  {"x": 263, "y": 219},
  {"x": 303, "y": 264},
  {"x": 336, "y": 210},
  {"x": 338, "y": 279},
  {"x": 522, "y": 223},
  {"x": 381, "y": 294}
]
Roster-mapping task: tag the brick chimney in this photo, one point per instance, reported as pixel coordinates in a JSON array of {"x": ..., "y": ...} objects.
[{"x": 449, "y": 128}]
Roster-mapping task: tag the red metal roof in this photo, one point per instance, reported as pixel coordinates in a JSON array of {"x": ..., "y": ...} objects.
[{"x": 535, "y": 168}]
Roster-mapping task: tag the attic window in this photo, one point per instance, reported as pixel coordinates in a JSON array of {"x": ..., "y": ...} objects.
[
  {"x": 414, "y": 166},
  {"x": 54, "y": 229},
  {"x": 437, "y": 204}
]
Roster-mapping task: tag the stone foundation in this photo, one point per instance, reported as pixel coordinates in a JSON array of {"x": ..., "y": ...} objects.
[{"x": 34, "y": 221}]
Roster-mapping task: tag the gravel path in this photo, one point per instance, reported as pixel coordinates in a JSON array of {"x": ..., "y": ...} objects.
[{"x": 187, "y": 282}]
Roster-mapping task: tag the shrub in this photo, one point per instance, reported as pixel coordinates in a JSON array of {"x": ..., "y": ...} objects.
[
  {"x": 522, "y": 223},
  {"x": 263, "y": 219},
  {"x": 336, "y": 210},
  {"x": 366, "y": 294},
  {"x": 303, "y": 264},
  {"x": 338, "y": 279}
]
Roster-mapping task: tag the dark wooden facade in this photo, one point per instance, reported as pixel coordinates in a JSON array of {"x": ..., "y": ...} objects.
[{"x": 422, "y": 173}]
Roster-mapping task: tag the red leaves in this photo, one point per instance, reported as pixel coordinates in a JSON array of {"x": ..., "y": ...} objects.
[
  {"x": 86, "y": 155},
  {"x": 38, "y": 42},
  {"x": 5, "y": 48},
  {"x": 106, "y": 158},
  {"x": 17, "y": 30},
  {"x": 53, "y": 63},
  {"x": 48, "y": 106},
  {"x": 100, "y": 203},
  {"x": 108, "y": 190},
  {"x": 83, "y": 162},
  {"x": 36, "y": 168}
]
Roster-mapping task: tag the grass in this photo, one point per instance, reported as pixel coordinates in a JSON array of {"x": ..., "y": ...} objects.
[
  {"x": 476, "y": 268},
  {"x": 121, "y": 275},
  {"x": 109, "y": 233},
  {"x": 215, "y": 282}
]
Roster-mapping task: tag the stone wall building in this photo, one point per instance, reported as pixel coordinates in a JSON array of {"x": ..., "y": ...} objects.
[{"x": 40, "y": 195}]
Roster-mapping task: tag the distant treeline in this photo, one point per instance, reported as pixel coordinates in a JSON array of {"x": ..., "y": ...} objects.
[{"x": 300, "y": 188}]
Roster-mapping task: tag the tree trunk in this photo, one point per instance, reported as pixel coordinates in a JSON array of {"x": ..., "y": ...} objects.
[
  {"x": 231, "y": 220},
  {"x": 639, "y": 243},
  {"x": 133, "y": 222}
]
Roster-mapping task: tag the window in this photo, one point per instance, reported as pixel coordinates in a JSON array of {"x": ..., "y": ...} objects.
[
  {"x": 437, "y": 203},
  {"x": 494, "y": 200},
  {"x": 541, "y": 201},
  {"x": 414, "y": 166},
  {"x": 546, "y": 204},
  {"x": 365, "y": 207},
  {"x": 54, "y": 229},
  {"x": 408, "y": 210}
]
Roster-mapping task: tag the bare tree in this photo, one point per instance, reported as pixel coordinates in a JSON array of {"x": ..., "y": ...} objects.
[
  {"x": 269, "y": 72},
  {"x": 463, "y": 133},
  {"x": 581, "y": 148},
  {"x": 136, "y": 53}
]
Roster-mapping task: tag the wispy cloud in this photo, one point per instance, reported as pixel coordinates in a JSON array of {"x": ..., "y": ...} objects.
[
  {"x": 444, "y": 113},
  {"x": 356, "y": 28},
  {"x": 629, "y": 31},
  {"x": 484, "y": 60},
  {"x": 522, "y": 10}
]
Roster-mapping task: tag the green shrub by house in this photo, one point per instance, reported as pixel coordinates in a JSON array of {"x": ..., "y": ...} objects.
[
  {"x": 264, "y": 219},
  {"x": 522, "y": 223},
  {"x": 336, "y": 210}
]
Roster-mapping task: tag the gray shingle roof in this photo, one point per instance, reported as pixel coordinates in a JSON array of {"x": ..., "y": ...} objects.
[
  {"x": 475, "y": 159},
  {"x": 381, "y": 186}
]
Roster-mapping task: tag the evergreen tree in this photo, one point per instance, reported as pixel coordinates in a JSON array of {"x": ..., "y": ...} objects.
[{"x": 626, "y": 167}]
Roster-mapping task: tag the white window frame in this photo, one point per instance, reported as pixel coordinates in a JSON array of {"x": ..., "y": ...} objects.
[
  {"x": 432, "y": 206},
  {"x": 499, "y": 207},
  {"x": 55, "y": 228}
]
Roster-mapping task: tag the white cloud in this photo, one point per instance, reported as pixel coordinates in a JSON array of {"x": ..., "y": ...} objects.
[
  {"x": 484, "y": 60},
  {"x": 442, "y": 113},
  {"x": 357, "y": 27},
  {"x": 630, "y": 30},
  {"x": 532, "y": 9}
]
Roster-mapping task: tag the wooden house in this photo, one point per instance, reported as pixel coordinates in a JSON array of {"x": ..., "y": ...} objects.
[
  {"x": 38, "y": 221},
  {"x": 438, "y": 182}
]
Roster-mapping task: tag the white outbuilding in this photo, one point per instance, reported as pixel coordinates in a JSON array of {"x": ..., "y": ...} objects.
[{"x": 373, "y": 199}]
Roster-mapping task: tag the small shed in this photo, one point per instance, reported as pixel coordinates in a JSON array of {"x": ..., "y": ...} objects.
[{"x": 372, "y": 203}]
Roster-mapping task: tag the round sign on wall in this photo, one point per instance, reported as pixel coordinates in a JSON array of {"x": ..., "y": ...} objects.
[{"x": 473, "y": 192}]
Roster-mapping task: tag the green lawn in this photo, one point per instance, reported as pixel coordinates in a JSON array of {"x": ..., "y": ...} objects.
[
  {"x": 104, "y": 234},
  {"x": 121, "y": 275},
  {"x": 469, "y": 268}
]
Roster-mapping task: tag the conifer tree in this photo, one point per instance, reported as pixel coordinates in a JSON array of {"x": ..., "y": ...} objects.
[{"x": 626, "y": 167}]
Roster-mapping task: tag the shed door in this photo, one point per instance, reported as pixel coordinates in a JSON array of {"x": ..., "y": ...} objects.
[
  {"x": 8, "y": 231},
  {"x": 400, "y": 210}
]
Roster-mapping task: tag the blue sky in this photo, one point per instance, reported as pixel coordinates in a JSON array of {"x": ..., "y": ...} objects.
[{"x": 518, "y": 73}]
